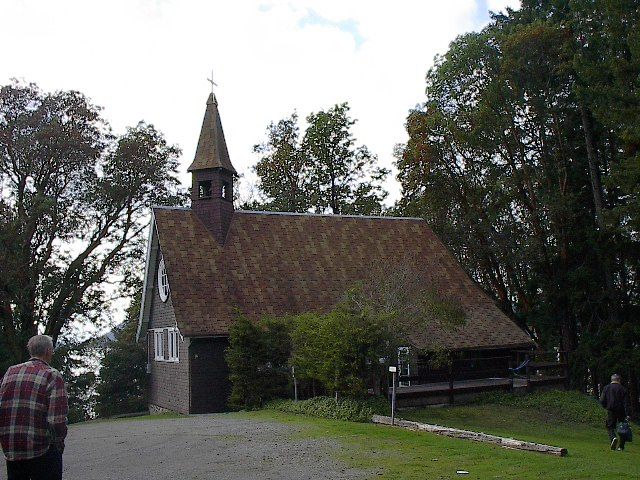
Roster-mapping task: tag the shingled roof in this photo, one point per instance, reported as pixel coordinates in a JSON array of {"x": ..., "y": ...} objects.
[
  {"x": 212, "y": 148},
  {"x": 277, "y": 264}
]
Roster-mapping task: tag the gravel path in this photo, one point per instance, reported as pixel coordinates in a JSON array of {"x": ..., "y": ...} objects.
[{"x": 215, "y": 446}]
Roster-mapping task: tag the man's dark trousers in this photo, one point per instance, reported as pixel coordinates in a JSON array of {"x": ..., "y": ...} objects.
[
  {"x": 46, "y": 467},
  {"x": 613, "y": 418}
]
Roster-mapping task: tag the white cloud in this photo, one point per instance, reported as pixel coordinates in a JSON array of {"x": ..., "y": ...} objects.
[
  {"x": 501, "y": 5},
  {"x": 150, "y": 60}
]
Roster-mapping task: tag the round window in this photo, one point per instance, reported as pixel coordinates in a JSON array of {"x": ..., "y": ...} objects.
[{"x": 163, "y": 282}]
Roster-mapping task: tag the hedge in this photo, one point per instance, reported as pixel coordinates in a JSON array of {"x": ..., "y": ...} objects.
[{"x": 326, "y": 407}]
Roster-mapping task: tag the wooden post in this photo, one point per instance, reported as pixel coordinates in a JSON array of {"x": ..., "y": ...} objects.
[
  {"x": 393, "y": 370},
  {"x": 393, "y": 400},
  {"x": 295, "y": 383},
  {"x": 528, "y": 370},
  {"x": 564, "y": 356},
  {"x": 451, "y": 382},
  {"x": 511, "y": 374}
]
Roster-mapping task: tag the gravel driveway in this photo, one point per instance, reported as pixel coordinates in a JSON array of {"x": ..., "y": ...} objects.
[{"x": 214, "y": 446}]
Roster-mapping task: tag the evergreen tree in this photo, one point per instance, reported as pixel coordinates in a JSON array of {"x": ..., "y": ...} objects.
[
  {"x": 322, "y": 172},
  {"x": 343, "y": 177},
  {"x": 283, "y": 169},
  {"x": 122, "y": 380},
  {"x": 524, "y": 158},
  {"x": 257, "y": 357}
]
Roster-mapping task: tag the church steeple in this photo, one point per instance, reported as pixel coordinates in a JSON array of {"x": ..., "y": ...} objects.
[
  {"x": 212, "y": 175},
  {"x": 212, "y": 148}
]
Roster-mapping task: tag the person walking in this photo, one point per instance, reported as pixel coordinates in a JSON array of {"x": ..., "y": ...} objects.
[
  {"x": 33, "y": 415},
  {"x": 615, "y": 399}
]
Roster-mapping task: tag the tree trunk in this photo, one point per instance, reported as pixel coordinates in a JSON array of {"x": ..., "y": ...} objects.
[
  {"x": 10, "y": 336},
  {"x": 598, "y": 203},
  {"x": 377, "y": 389},
  {"x": 567, "y": 329},
  {"x": 594, "y": 169},
  {"x": 335, "y": 208}
]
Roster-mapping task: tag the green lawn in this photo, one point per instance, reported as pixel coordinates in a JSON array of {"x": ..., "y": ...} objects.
[{"x": 399, "y": 454}]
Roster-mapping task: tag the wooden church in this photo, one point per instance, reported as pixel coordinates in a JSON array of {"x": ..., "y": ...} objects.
[{"x": 208, "y": 262}]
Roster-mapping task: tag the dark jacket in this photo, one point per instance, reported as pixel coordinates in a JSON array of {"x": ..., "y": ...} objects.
[{"x": 614, "y": 397}]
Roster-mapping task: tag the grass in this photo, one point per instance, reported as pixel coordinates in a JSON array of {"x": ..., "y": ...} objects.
[
  {"x": 570, "y": 406},
  {"x": 389, "y": 452}
]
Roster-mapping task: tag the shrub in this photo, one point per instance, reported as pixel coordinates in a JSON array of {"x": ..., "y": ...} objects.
[
  {"x": 257, "y": 357},
  {"x": 327, "y": 407}
]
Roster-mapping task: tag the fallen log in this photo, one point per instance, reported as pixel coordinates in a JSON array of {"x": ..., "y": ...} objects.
[{"x": 475, "y": 436}]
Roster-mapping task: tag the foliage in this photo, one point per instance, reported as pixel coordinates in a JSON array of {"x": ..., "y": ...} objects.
[
  {"x": 257, "y": 357},
  {"x": 339, "y": 351},
  {"x": 122, "y": 380},
  {"x": 74, "y": 205},
  {"x": 324, "y": 171},
  {"x": 282, "y": 168},
  {"x": 77, "y": 362},
  {"x": 347, "y": 409},
  {"x": 524, "y": 159}
]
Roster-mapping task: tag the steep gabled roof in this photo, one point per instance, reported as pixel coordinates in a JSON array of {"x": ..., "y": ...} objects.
[
  {"x": 277, "y": 264},
  {"x": 212, "y": 148}
]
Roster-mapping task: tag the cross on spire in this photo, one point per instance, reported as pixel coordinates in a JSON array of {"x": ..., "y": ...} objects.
[{"x": 213, "y": 84}]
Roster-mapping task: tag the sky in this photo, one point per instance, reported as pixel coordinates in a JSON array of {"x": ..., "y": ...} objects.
[{"x": 150, "y": 60}]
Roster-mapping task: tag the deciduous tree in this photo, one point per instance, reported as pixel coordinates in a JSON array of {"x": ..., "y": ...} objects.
[{"x": 73, "y": 211}]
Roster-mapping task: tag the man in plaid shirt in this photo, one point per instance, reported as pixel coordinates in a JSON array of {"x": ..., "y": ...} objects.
[{"x": 33, "y": 415}]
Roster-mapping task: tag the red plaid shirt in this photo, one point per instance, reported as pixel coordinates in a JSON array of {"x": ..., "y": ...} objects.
[{"x": 33, "y": 410}]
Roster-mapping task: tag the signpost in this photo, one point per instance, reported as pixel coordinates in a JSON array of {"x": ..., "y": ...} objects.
[
  {"x": 295, "y": 383},
  {"x": 393, "y": 370}
]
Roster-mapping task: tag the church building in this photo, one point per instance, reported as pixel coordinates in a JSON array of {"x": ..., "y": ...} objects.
[{"x": 206, "y": 263}]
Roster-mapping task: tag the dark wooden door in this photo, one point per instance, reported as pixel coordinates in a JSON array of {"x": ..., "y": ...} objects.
[{"x": 210, "y": 386}]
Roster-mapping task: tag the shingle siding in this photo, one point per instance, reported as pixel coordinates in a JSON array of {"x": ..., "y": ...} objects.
[{"x": 169, "y": 381}]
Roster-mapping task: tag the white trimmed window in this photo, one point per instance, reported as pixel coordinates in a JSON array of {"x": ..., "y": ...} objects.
[
  {"x": 174, "y": 342},
  {"x": 163, "y": 281},
  {"x": 158, "y": 344}
]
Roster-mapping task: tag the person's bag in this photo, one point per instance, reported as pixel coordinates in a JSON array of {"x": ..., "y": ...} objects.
[{"x": 624, "y": 431}]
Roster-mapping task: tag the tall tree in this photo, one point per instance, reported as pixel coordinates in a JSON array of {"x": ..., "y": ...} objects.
[
  {"x": 75, "y": 203},
  {"x": 122, "y": 379},
  {"x": 524, "y": 158},
  {"x": 283, "y": 169},
  {"x": 344, "y": 177},
  {"x": 325, "y": 171}
]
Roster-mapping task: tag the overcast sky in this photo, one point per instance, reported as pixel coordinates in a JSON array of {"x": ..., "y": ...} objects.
[{"x": 149, "y": 60}]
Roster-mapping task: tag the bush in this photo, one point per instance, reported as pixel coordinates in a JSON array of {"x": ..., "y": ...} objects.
[
  {"x": 571, "y": 406},
  {"x": 257, "y": 357},
  {"x": 326, "y": 407}
]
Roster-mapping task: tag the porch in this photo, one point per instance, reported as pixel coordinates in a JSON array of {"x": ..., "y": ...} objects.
[{"x": 465, "y": 378}]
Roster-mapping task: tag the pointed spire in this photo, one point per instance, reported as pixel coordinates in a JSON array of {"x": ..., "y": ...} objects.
[{"x": 212, "y": 148}]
